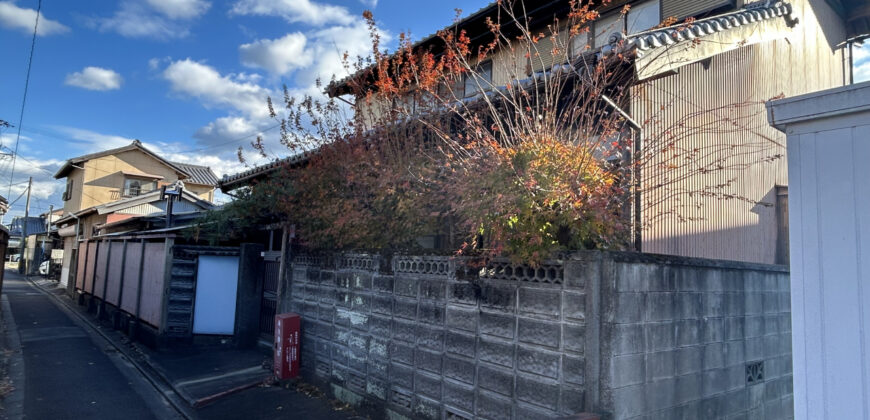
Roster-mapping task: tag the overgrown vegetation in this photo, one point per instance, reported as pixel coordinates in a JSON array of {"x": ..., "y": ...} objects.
[{"x": 514, "y": 145}]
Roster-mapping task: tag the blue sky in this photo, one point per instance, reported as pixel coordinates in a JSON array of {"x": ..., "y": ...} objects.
[{"x": 187, "y": 77}]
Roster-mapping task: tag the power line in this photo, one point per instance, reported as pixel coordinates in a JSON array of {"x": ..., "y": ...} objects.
[{"x": 24, "y": 99}]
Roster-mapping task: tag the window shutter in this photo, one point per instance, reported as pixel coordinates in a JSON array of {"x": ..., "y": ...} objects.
[{"x": 682, "y": 9}]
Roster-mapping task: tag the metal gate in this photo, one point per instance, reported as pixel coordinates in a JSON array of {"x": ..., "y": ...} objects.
[{"x": 269, "y": 304}]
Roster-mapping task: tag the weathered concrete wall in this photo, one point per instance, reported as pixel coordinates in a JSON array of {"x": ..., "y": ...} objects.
[
  {"x": 680, "y": 338},
  {"x": 624, "y": 335}
]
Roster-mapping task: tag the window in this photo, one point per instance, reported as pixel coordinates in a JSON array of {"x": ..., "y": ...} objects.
[
  {"x": 643, "y": 16},
  {"x": 482, "y": 76},
  {"x": 134, "y": 187},
  {"x": 578, "y": 44},
  {"x": 606, "y": 26},
  {"x": 67, "y": 195}
]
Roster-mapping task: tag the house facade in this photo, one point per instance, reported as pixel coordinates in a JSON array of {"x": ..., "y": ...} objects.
[
  {"x": 733, "y": 52},
  {"x": 118, "y": 184}
]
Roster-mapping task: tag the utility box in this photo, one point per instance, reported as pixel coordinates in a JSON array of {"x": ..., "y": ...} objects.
[{"x": 287, "y": 330}]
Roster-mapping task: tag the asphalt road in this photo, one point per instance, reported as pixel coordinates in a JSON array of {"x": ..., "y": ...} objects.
[{"x": 69, "y": 371}]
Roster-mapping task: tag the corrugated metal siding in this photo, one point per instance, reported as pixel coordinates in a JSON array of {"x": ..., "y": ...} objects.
[
  {"x": 131, "y": 276},
  {"x": 685, "y": 8},
  {"x": 151, "y": 310},
  {"x": 733, "y": 229},
  {"x": 116, "y": 260}
]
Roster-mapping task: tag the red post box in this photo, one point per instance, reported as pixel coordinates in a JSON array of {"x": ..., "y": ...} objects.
[{"x": 287, "y": 355}]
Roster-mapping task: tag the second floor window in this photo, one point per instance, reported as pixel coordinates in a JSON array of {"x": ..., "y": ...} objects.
[
  {"x": 67, "y": 195},
  {"x": 481, "y": 79},
  {"x": 134, "y": 187}
]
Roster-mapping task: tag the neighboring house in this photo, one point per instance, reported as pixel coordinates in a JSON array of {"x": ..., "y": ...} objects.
[
  {"x": 26, "y": 249},
  {"x": 733, "y": 52},
  {"x": 101, "y": 184}
]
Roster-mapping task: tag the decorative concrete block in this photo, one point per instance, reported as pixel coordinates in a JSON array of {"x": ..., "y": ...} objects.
[
  {"x": 378, "y": 368},
  {"x": 462, "y": 344},
  {"x": 433, "y": 289},
  {"x": 574, "y": 338},
  {"x": 540, "y": 333},
  {"x": 574, "y": 306},
  {"x": 579, "y": 273},
  {"x": 573, "y": 400},
  {"x": 431, "y": 313},
  {"x": 382, "y": 284},
  {"x": 401, "y": 353},
  {"x": 405, "y": 308},
  {"x": 498, "y": 352},
  {"x": 459, "y": 369},
  {"x": 405, "y": 286},
  {"x": 402, "y": 375},
  {"x": 430, "y": 337},
  {"x": 459, "y": 395},
  {"x": 404, "y": 330},
  {"x": 379, "y": 325},
  {"x": 496, "y": 379},
  {"x": 461, "y": 319},
  {"x": 542, "y": 302},
  {"x": 493, "y": 407},
  {"x": 426, "y": 408},
  {"x": 574, "y": 370},
  {"x": 463, "y": 293},
  {"x": 427, "y": 385},
  {"x": 538, "y": 392},
  {"x": 538, "y": 362},
  {"x": 428, "y": 361},
  {"x": 497, "y": 296},
  {"x": 382, "y": 304},
  {"x": 497, "y": 324}
]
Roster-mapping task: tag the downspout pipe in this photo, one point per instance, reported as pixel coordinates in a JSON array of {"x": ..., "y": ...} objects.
[{"x": 635, "y": 171}]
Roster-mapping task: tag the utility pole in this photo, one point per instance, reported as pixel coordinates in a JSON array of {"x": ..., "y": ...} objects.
[{"x": 21, "y": 259}]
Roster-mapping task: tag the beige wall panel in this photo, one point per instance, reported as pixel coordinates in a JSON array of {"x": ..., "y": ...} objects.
[
  {"x": 131, "y": 277},
  {"x": 100, "y": 268},
  {"x": 151, "y": 310},
  {"x": 116, "y": 262},
  {"x": 89, "y": 267}
]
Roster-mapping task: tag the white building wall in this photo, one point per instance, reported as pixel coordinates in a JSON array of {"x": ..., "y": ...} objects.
[{"x": 829, "y": 217}]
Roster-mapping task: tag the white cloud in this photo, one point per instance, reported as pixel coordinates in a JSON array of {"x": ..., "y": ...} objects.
[
  {"x": 95, "y": 78},
  {"x": 14, "y": 17},
  {"x": 295, "y": 11},
  {"x": 203, "y": 82},
  {"x": 180, "y": 9},
  {"x": 91, "y": 141},
  {"x": 158, "y": 19},
  {"x": 278, "y": 56}
]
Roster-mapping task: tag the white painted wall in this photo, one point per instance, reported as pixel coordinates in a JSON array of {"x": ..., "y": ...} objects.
[
  {"x": 214, "y": 310},
  {"x": 829, "y": 227}
]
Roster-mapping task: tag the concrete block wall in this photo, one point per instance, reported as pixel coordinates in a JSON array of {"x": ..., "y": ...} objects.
[
  {"x": 407, "y": 333},
  {"x": 681, "y": 338},
  {"x": 629, "y": 336}
]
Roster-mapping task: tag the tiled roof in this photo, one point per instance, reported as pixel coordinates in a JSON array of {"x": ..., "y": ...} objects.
[
  {"x": 135, "y": 145},
  {"x": 198, "y": 174},
  {"x": 231, "y": 182},
  {"x": 649, "y": 40}
]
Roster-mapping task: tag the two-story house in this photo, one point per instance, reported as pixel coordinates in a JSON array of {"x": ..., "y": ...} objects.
[
  {"x": 732, "y": 52},
  {"x": 118, "y": 184}
]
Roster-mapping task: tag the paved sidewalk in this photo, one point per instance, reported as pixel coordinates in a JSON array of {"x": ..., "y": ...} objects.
[
  {"x": 67, "y": 372},
  {"x": 212, "y": 383}
]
